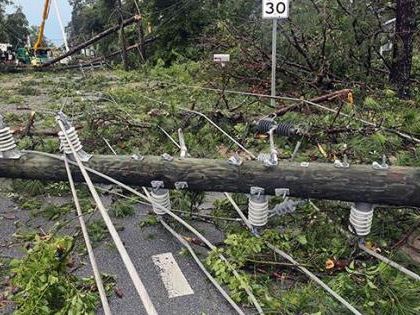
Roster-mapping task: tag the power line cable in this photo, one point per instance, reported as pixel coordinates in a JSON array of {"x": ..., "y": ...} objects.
[{"x": 138, "y": 284}]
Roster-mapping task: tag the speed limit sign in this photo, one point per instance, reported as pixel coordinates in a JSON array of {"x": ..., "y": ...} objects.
[{"x": 276, "y": 9}]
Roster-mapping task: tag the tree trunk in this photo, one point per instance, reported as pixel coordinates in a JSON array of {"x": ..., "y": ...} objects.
[
  {"x": 397, "y": 186},
  {"x": 142, "y": 45},
  {"x": 403, "y": 46},
  {"x": 122, "y": 38}
]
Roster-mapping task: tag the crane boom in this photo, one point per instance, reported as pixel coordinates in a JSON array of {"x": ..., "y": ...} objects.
[{"x": 45, "y": 14}]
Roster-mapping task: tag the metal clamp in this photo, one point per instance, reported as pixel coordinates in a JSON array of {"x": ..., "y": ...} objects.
[
  {"x": 344, "y": 164},
  {"x": 167, "y": 157},
  {"x": 184, "y": 149},
  {"x": 257, "y": 191},
  {"x": 235, "y": 160},
  {"x": 157, "y": 184},
  {"x": 282, "y": 192},
  {"x": 270, "y": 159},
  {"x": 381, "y": 167},
  {"x": 137, "y": 157},
  {"x": 181, "y": 185}
]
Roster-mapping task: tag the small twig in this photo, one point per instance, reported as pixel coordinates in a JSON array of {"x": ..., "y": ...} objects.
[{"x": 274, "y": 263}]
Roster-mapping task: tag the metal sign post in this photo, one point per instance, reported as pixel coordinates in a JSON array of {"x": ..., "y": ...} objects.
[
  {"x": 274, "y": 62},
  {"x": 275, "y": 10}
]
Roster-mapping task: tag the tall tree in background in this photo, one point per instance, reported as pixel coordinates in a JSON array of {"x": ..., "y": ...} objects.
[
  {"x": 3, "y": 31},
  {"x": 403, "y": 46},
  {"x": 122, "y": 36},
  {"x": 18, "y": 27},
  {"x": 14, "y": 27}
]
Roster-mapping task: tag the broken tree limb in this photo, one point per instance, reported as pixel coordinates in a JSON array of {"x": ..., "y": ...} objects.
[
  {"x": 397, "y": 186},
  {"x": 93, "y": 40},
  {"x": 29, "y": 124},
  {"x": 320, "y": 99},
  {"x": 46, "y": 132}
]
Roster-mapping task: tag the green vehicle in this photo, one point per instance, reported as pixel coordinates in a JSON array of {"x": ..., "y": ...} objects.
[
  {"x": 28, "y": 56},
  {"x": 23, "y": 56}
]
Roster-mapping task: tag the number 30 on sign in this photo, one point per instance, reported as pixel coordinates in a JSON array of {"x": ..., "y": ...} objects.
[{"x": 275, "y": 9}]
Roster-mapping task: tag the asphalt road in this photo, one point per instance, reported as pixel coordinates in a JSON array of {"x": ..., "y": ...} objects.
[{"x": 141, "y": 244}]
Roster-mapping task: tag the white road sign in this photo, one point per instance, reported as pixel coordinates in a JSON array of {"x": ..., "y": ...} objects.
[{"x": 276, "y": 9}]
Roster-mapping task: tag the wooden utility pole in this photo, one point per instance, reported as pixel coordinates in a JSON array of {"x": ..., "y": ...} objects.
[
  {"x": 124, "y": 55},
  {"x": 403, "y": 46},
  {"x": 397, "y": 186}
]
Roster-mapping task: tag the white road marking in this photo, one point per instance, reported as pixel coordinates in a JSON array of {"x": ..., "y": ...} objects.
[{"x": 172, "y": 277}]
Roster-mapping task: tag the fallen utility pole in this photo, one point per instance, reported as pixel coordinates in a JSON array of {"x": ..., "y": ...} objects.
[
  {"x": 118, "y": 52},
  {"x": 93, "y": 40},
  {"x": 398, "y": 186}
]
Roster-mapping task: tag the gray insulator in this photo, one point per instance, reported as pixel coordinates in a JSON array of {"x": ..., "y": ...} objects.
[
  {"x": 286, "y": 129},
  {"x": 7, "y": 142},
  {"x": 286, "y": 207},
  {"x": 161, "y": 198},
  {"x": 361, "y": 217},
  {"x": 265, "y": 125},
  {"x": 74, "y": 138},
  {"x": 258, "y": 210}
]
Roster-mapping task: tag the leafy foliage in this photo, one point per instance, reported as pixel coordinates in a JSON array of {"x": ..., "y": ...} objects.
[
  {"x": 44, "y": 285},
  {"x": 123, "y": 208}
]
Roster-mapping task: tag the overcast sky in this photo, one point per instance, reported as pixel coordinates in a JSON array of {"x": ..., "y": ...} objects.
[{"x": 33, "y": 11}]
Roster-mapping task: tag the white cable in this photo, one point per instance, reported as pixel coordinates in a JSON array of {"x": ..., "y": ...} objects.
[
  {"x": 402, "y": 134},
  {"x": 177, "y": 218},
  {"x": 198, "y": 234},
  {"x": 97, "y": 274},
  {"x": 72, "y": 137},
  {"x": 373, "y": 253},
  {"x": 109, "y": 146},
  {"x": 210, "y": 121},
  {"x": 295, "y": 263},
  {"x": 221, "y": 130},
  {"x": 184, "y": 149},
  {"x": 60, "y": 21},
  {"x": 200, "y": 264},
  {"x": 390, "y": 262},
  {"x": 169, "y": 136},
  {"x": 141, "y": 290}
]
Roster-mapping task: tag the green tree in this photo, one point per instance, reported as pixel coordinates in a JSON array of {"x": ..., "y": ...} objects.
[
  {"x": 3, "y": 30},
  {"x": 17, "y": 25}
]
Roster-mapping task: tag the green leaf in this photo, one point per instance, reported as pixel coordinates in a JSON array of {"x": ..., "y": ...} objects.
[{"x": 302, "y": 239}]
